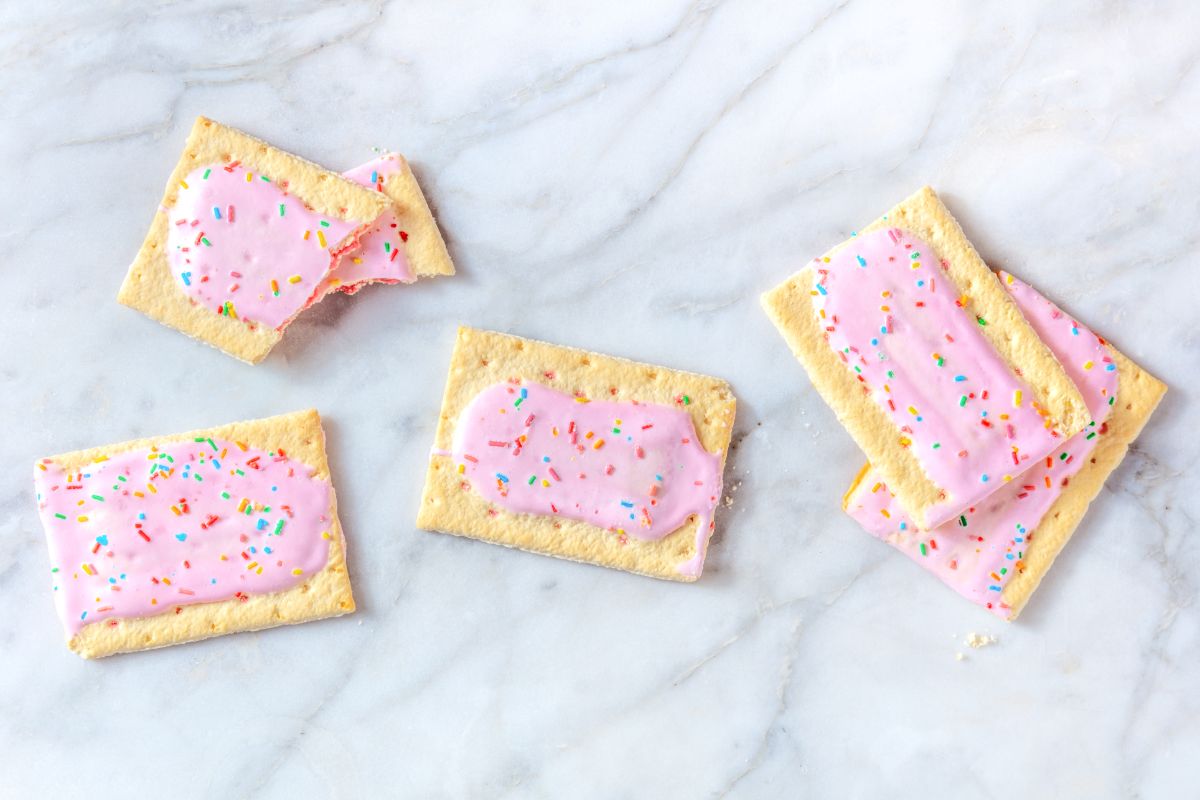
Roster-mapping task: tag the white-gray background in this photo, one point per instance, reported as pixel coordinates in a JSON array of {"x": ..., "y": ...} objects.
[{"x": 627, "y": 180}]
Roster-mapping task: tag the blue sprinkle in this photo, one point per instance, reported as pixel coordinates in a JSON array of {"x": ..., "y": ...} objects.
[
  {"x": 274, "y": 488},
  {"x": 262, "y": 523},
  {"x": 627, "y": 504},
  {"x": 983, "y": 478},
  {"x": 253, "y": 549},
  {"x": 216, "y": 212},
  {"x": 187, "y": 278},
  {"x": 959, "y": 378},
  {"x": 375, "y": 176},
  {"x": 524, "y": 393},
  {"x": 112, "y": 580},
  {"x": 83, "y": 615},
  {"x": 1110, "y": 367},
  {"x": 903, "y": 526},
  {"x": 181, "y": 536},
  {"x": 994, "y": 588},
  {"x": 102, "y": 540},
  {"x": 502, "y": 477},
  {"x": 546, "y": 459},
  {"x": 267, "y": 550},
  {"x": 658, "y": 477},
  {"x": 821, "y": 289},
  {"x": 874, "y": 342},
  {"x": 862, "y": 262},
  {"x": 214, "y": 580},
  {"x": 920, "y": 284}
]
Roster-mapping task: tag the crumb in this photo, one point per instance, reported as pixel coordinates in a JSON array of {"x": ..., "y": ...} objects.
[
  {"x": 978, "y": 640},
  {"x": 959, "y": 657}
]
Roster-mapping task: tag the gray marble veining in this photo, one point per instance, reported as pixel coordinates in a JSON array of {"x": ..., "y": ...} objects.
[{"x": 627, "y": 180}]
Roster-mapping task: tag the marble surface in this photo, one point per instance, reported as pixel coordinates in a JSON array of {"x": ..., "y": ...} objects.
[{"x": 627, "y": 180}]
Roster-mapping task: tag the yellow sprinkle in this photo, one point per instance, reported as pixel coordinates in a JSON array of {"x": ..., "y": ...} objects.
[
  {"x": 1016, "y": 398},
  {"x": 875, "y": 488},
  {"x": 321, "y": 237},
  {"x": 598, "y": 444},
  {"x": 1008, "y": 278},
  {"x": 183, "y": 184},
  {"x": 356, "y": 260},
  {"x": 916, "y": 265},
  {"x": 905, "y": 441},
  {"x": 249, "y": 177},
  {"x": 884, "y": 511},
  {"x": 582, "y": 400},
  {"x": 167, "y": 581},
  {"x": 150, "y": 486},
  {"x": 98, "y": 459},
  {"x": 462, "y": 468},
  {"x": 297, "y": 571},
  {"x": 251, "y": 565},
  {"x": 83, "y": 518},
  {"x": 545, "y": 483},
  {"x": 912, "y": 411},
  {"x": 1088, "y": 364},
  {"x": 306, "y": 235},
  {"x": 294, "y": 279},
  {"x": 325, "y": 535},
  {"x": 88, "y": 569}
]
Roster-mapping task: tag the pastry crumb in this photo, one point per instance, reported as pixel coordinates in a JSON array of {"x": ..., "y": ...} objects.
[{"x": 978, "y": 640}]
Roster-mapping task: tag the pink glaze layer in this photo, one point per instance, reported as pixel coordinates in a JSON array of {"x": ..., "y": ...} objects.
[
  {"x": 380, "y": 255},
  {"x": 631, "y": 468},
  {"x": 144, "y": 531},
  {"x": 243, "y": 247},
  {"x": 895, "y": 319},
  {"x": 977, "y": 554}
]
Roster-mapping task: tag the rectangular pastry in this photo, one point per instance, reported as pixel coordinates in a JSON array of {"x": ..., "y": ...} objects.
[
  {"x": 403, "y": 244},
  {"x": 997, "y": 552},
  {"x": 578, "y": 455},
  {"x": 243, "y": 240},
  {"x": 170, "y": 539},
  {"x": 926, "y": 361}
]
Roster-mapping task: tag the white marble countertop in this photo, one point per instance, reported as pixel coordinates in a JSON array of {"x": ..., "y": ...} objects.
[{"x": 629, "y": 182}]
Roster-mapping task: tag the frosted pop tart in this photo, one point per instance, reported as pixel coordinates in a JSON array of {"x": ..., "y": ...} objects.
[
  {"x": 170, "y": 539},
  {"x": 926, "y": 360},
  {"x": 578, "y": 455},
  {"x": 997, "y": 552},
  {"x": 243, "y": 239},
  {"x": 403, "y": 244}
]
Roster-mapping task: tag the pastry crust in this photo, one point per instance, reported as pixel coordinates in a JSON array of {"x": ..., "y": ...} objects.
[
  {"x": 790, "y": 307},
  {"x": 324, "y": 594},
  {"x": 425, "y": 249},
  {"x": 482, "y": 359},
  {"x": 149, "y": 285}
]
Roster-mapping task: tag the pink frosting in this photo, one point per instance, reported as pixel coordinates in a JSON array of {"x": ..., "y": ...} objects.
[
  {"x": 379, "y": 256},
  {"x": 893, "y": 315},
  {"x": 242, "y": 246},
  {"x": 144, "y": 531},
  {"x": 634, "y": 469},
  {"x": 977, "y": 554}
]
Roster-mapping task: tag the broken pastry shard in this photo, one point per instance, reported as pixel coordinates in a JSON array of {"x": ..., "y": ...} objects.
[
  {"x": 403, "y": 244},
  {"x": 996, "y": 553},
  {"x": 245, "y": 235},
  {"x": 927, "y": 361},
  {"x": 171, "y": 539},
  {"x": 578, "y": 455}
]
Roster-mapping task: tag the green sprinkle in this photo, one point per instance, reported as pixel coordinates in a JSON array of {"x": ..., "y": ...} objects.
[
  {"x": 1063, "y": 457},
  {"x": 121, "y": 478},
  {"x": 924, "y": 552},
  {"x": 981, "y": 320},
  {"x": 54, "y": 569},
  {"x": 214, "y": 445},
  {"x": 98, "y": 497},
  {"x": 936, "y": 445},
  {"x": 61, "y": 516},
  {"x": 687, "y": 401},
  {"x": 207, "y": 172},
  {"x": 206, "y": 241},
  {"x": 962, "y": 401},
  {"x": 265, "y": 178},
  {"x": 281, "y": 207},
  {"x": 249, "y": 509},
  {"x": 1091, "y": 435},
  {"x": 239, "y": 472},
  {"x": 616, "y": 430},
  {"x": 518, "y": 403},
  {"x": 941, "y": 362},
  {"x": 279, "y": 527},
  {"x": 962, "y": 520},
  {"x": 225, "y": 495},
  {"x": 196, "y": 475},
  {"x": 532, "y": 478},
  {"x": 324, "y": 224},
  {"x": 1111, "y": 400},
  {"x": 1004, "y": 570},
  {"x": 891, "y": 374},
  {"x": 387, "y": 247}
]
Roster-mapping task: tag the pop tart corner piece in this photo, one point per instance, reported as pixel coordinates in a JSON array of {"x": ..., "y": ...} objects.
[
  {"x": 242, "y": 240},
  {"x": 171, "y": 539},
  {"x": 578, "y": 455}
]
